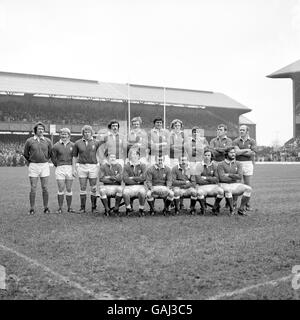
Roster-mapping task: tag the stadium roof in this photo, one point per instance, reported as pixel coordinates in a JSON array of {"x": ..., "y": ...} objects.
[
  {"x": 245, "y": 120},
  {"x": 18, "y": 83},
  {"x": 286, "y": 72}
]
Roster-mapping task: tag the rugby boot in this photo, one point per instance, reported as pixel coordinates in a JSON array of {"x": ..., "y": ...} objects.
[
  {"x": 216, "y": 207},
  {"x": 192, "y": 208},
  {"x": 203, "y": 206}
]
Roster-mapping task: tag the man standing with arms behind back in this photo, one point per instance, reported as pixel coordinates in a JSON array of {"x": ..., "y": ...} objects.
[
  {"x": 85, "y": 151},
  {"x": 37, "y": 152}
]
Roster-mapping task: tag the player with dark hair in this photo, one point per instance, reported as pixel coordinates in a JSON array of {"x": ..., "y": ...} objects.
[
  {"x": 220, "y": 143},
  {"x": 195, "y": 148},
  {"x": 87, "y": 166},
  {"x": 230, "y": 176},
  {"x": 113, "y": 143},
  {"x": 159, "y": 183},
  {"x": 110, "y": 177},
  {"x": 183, "y": 186},
  {"x": 134, "y": 176},
  {"x": 62, "y": 158},
  {"x": 159, "y": 142},
  {"x": 37, "y": 151},
  {"x": 207, "y": 181}
]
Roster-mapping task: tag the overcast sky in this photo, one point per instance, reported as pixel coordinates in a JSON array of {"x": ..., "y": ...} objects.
[{"x": 226, "y": 46}]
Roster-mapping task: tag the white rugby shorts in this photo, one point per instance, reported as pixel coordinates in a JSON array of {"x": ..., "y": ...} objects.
[
  {"x": 41, "y": 170},
  {"x": 247, "y": 167},
  {"x": 88, "y": 170},
  {"x": 64, "y": 172}
]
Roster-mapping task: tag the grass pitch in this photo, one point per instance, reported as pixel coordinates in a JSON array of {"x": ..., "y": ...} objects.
[{"x": 176, "y": 257}]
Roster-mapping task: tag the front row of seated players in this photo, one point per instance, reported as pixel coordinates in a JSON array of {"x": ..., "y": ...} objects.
[{"x": 159, "y": 181}]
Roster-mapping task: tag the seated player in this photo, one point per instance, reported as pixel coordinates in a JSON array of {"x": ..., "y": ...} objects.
[
  {"x": 230, "y": 174},
  {"x": 62, "y": 156},
  {"x": 111, "y": 178},
  {"x": 207, "y": 181},
  {"x": 134, "y": 176},
  {"x": 159, "y": 182},
  {"x": 183, "y": 187}
]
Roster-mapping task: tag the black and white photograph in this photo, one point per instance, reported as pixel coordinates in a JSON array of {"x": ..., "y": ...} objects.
[{"x": 149, "y": 153}]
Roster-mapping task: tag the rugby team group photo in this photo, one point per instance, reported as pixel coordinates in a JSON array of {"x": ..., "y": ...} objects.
[{"x": 171, "y": 165}]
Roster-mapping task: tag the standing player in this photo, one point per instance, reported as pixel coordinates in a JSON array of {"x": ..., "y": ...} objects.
[
  {"x": 111, "y": 178},
  {"x": 245, "y": 148},
  {"x": 138, "y": 138},
  {"x": 183, "y": 186},
  {"x": 230, "y": 174},
  {"x": 159, "y": 182},
  {"x": 37, "y": 151},
  {"x": 220, "y": 143},
  {"x": 134, "y": 176},
  {"x": 114, "y": 143},
  {"x": 159, "y": 142},
  {"x": 62, "y": 158},
  {"x": 177, "y": 142},
  {"x": 195, "y": 149},
  {"x": 87, "y": 163},
  {"x": 207, "y": 181}
]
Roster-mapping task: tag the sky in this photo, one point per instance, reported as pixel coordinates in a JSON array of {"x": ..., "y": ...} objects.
[{"x": 226, "y": 46}]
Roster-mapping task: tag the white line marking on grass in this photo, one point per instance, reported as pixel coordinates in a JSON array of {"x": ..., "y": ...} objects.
[
  {"x": 256, "y": 286},
  {"x": 67, "y": 280}
]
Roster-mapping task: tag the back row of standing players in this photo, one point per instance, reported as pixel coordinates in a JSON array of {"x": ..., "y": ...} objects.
[{"x": 144, "y": 166}]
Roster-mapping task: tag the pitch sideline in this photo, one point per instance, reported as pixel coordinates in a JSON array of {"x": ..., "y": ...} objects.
[
  {"x": 67, "y": 280},
  {"x": 256, "y": 286}
]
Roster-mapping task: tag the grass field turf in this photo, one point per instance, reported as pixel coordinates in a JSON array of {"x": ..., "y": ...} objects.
[{"x": 182, "y": 257}]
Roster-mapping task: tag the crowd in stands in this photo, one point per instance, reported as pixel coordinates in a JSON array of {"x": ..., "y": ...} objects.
[
  {"x": 286, "y": 153},
  {"x": 80, "y": 112},
  {"x": 11, "y": 154}
]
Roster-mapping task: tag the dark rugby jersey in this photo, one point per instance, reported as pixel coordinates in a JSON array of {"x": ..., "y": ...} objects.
[
  {"x": 156, "y": 176},
  {"x": 114, "y": 144},
  {"x": 195, "y": 148},
  {"x": 37, "y": 150},
  {"x": 249, "y": 143},
  {"x": 110, "y": 174},
  {"x": 180, "y": 177},
  {"x": 137, "y": 172},
  {"x": 138, "y": 139},
  {"x": 233, "y": 168},
  {"x": 159, "y": 142},
  {"x": 219, "y": 145},
  {"x": 62, "y": 154},
  {"x": 86, "y": 152},
  {"x": 209, "y": 174}
]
